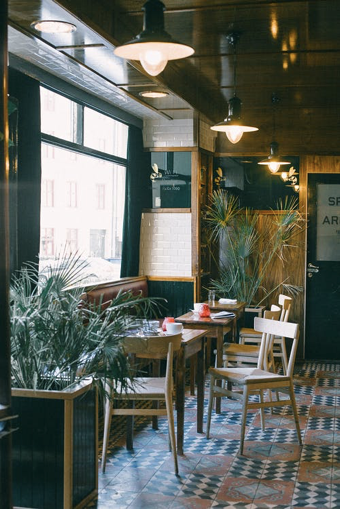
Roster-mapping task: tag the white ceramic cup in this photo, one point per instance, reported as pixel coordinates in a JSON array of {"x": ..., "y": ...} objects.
[{"x": 174, "y": 328}]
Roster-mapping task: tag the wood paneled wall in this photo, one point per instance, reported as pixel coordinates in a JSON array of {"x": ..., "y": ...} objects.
[{"x": 295, "y": 264}]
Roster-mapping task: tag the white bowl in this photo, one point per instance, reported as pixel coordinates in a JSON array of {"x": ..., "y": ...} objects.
[{"x": 174, "y": 328}]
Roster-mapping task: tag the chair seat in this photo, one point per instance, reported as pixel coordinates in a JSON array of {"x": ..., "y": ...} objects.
[
  {"x": 148, "y": 388},
  {"x": 243, "y": 376}
]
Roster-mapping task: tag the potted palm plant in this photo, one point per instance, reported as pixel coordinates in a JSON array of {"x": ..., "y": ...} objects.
[
  {"x": 61, "y": 353},
  {"x": 249, "y": 245}
]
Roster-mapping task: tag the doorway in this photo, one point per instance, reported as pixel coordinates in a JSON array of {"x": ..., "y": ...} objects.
[{"x": 323, "y": 268}]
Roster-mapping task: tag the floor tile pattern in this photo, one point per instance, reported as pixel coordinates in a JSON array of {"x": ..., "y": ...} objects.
[{"x": 274, "y": 472}]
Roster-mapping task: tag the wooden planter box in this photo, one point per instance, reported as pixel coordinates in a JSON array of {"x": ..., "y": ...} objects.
[
  {"x": 55, "y": 449},
  {"x": 249, "y": 314}
]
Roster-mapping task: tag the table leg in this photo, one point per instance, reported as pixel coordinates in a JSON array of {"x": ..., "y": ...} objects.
[
  {"x": 180, "y": 398},
  {"x": 219, "y": 361},
  {"x": 200, "y": 387},
  {"x": 156, "y": 372},
  {"x": 129, "y": 428}
]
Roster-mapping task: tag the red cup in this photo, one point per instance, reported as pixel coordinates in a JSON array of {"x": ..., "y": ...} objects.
[
  {"x": 204, "y": 311},
  {"x": 166, "y": 320}
]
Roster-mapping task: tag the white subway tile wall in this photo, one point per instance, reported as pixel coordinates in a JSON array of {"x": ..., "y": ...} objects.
[
  {"x": 179, "y": 133},
  {"x": 165, "y": 244},
  {"x": 170, "y": 133},
  {"x": 207, "y": 137}
]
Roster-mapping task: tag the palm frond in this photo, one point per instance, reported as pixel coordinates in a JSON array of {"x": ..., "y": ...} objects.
[
  {"x": 249, "y": 245},
  {"x": 56, "y": 341}
]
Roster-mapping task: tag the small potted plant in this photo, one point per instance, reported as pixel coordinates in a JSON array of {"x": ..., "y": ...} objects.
[{"x": 61, "y": 352}]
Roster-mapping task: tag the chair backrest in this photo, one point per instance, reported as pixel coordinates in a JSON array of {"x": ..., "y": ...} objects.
[
  {"x": 273, "y": 314},
  {"x": 155, "y": 347},
  {"x": 152, "y": 347},
  {"x": 272, "y": 328},
  {"x": 286, "y": 303}
]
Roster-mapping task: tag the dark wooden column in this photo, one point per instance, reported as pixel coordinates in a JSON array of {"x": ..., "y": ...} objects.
[{"x": 5, "y": 386}]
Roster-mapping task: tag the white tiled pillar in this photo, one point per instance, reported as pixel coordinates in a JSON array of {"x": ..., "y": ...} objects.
[{"x": 165, "y": 244}]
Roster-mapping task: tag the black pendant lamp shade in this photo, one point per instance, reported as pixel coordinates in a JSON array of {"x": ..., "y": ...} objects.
[
  {"x": 233, "y": 125},
  {"x": 154, "y": 47},
  {"x": 274, "y": 161}
]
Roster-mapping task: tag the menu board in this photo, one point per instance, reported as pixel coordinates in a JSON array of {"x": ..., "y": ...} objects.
[{"x": 328, "y": 222}]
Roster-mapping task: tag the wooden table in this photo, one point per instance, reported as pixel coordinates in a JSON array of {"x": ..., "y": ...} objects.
[
  {"x": 215, "y": 328},
  {"x": 237, "y": 308},
  {"x": 192, "y": 344}
]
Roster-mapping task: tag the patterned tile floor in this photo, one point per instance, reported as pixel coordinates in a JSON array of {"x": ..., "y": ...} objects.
[{"x": 275, "y": 472}]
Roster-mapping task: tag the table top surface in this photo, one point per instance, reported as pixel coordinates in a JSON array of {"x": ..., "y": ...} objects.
[
  {"x": 194, "y": 318},
  {"x": 192, "y": 334},
  {"x": 187, "y": 335}
]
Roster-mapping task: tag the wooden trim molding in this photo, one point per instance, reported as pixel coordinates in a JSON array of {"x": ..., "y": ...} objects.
[
  {"x": 163, "y": 211},
  {"x": 172, "y": 278}
]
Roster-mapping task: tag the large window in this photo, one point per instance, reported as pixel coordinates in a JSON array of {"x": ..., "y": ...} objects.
[{"x": 83, "y": 184}]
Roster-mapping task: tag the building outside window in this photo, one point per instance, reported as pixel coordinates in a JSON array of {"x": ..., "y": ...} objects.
[
  {"x": 47, "y": 193},
  {"x": 47, "y": 242},
  {"x": 100, "y": 196},
  {"x": 88, "y": 185},
  {"x": 72, "y": 240},
  {"x": 71, "y": 194}
]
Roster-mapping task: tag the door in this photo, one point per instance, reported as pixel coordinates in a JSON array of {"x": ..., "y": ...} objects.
[{"x": 323, "y": 268}]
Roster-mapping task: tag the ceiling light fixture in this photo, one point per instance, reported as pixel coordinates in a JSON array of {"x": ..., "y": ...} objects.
[
  {"x": 50, "y": 26},
  {"x": 154, "y": 47},
  {"x": 233, "y": 125},
  {"x": 274, "y": 161},
  {"x": 153, "y": 94}
]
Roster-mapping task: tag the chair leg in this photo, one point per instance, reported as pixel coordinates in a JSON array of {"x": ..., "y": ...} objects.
[
  {"x": 170, "y": 413},
  {"x": 284, "y": 356},
  {"x": 210, "y": 404},
  {"x": 296, "y": 417},
  {"x": 244, "y": 416},
  {"x": 263, "y": 425},
  {"x": 107, "y": 426}
]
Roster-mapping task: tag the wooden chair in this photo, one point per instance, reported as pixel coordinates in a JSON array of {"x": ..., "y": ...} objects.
[
  {"x": 244, "y": 354},
  {"x": 256, "y": 380},
  {"x": 151, "y": 389},
  {"x": 250, "y": 336}
]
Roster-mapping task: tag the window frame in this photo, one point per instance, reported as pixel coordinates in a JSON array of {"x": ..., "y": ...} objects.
[
  {"x": 78, "y": 147},
  {"x": 79, "y": 131}
]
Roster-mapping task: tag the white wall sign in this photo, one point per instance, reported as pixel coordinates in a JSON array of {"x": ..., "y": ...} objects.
[{"x": 328, "y": 222}]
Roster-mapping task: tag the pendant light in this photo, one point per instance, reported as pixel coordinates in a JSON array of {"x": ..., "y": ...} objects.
[
  {"x": 233, "y": 126},
  {"x": 274, "y": 161},
  {"x": 153, "y": 46}
]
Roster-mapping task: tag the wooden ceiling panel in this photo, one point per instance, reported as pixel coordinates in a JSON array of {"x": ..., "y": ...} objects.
[{"x": 291, "y": 47}]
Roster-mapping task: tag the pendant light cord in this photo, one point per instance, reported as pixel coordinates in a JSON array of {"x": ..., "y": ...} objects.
[
  {"x": 233, "y": 38},
  {"x": 235, "y": 66},
  {"x": 275, "y": 101}
]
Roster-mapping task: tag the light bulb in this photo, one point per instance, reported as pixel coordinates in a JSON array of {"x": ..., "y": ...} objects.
[
  {"x": 296, "y": 188},
  {"x": 274, "y": 167},
  {"x": 153, "y": 61},
  {"x": 234, "y": 133},
  {"x": 284, "y": 176}
]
